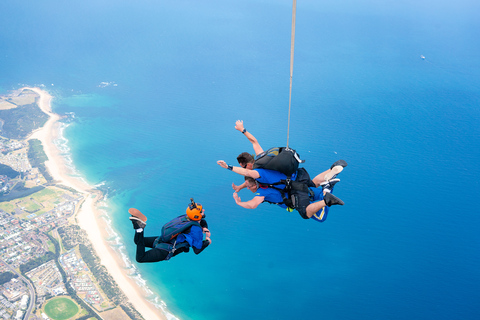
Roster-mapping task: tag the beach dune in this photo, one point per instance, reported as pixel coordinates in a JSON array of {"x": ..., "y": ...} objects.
[{"x": 88, "y": 216}]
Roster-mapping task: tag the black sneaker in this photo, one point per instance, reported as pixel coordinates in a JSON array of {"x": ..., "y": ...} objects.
[
  {"x": 137, "y": 223},
  {"x": 342, "y": 163},
  {"x": 331, "y": 200},
  {"x": 138, "y": 219},
  {"x": 328, "y": 185}
]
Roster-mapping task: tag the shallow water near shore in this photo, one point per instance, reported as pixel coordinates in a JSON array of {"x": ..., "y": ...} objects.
[{"x": 155, "y": 97}]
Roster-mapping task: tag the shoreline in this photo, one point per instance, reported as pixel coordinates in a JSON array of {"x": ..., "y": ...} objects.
[{"x": 88, "y": 216}]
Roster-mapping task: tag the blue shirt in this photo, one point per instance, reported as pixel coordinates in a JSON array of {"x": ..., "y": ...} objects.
[
  {"x": 272, "y": 176},
  {"x": 194, "y": 237},
  {"x": 275, "y": 196},
  {"x": 270, "y": 195}
]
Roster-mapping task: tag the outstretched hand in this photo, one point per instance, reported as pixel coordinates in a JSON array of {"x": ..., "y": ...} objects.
[
  {"x": 207, "y": 235},
  {"x": 236, "y": 188},
  {"x": 237, "y": 197},
  {"x": 222, "y": 164},
  {"x": 239, "y": 125}
]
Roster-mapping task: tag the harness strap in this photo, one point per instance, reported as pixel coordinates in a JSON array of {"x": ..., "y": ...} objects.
[
  {"x": 286, "y": 191},
  {"x": 172, "y": 251},
  {"x": 283, "y": 191},
  {"x": 169, "y": 247}
]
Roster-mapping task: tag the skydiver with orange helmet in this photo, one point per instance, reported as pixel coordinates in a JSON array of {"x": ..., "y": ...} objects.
[{"x": 177, "y": 236}]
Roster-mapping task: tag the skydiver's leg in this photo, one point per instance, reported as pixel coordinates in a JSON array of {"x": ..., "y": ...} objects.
[
  {"x": 153, "y": 255},
  {"x": 320, "y": 178},
  {"x": 321, "y": 215},
  {"x": 327, "y": 186},
  {"x": 323, "y": 199},
  {"x": 148, "y": 241},
  {"x": 315, "y": 207},
  {"x": 331, "y": 173}
]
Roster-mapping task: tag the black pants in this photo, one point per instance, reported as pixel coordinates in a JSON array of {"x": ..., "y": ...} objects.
[{"x": 153, "y": 255}]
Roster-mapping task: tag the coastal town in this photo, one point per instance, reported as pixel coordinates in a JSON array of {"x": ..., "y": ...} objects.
[{"x": 48, "y": 267}]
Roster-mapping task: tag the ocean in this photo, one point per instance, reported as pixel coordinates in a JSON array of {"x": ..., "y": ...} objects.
[{"x": 153, "y": 90}]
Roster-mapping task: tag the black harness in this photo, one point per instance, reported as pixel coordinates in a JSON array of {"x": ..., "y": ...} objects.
[{"x": 294, "y": 189}]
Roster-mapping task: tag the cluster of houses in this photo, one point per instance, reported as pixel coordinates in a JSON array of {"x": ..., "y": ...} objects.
[
  {"x": 18, "y": 161},
  {"x": 6, "y": 184},
  {"x": 7, "y": 145},
  {"x": 47, "y": 279},
  {"x": 81, "y": 282},
  {"x": 14, "y": 299},
  {"x": 20, "y": 241}
]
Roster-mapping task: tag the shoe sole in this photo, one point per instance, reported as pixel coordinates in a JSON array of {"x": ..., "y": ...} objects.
[
  {"x": 329, "y": 181},
  {"x": 334, "y": 171},
  {"x": 342, "y": 163},
  {"x": 137, "y": 214}
]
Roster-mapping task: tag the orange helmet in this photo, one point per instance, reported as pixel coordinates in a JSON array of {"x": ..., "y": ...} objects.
[{"x": 194, "y": 211}]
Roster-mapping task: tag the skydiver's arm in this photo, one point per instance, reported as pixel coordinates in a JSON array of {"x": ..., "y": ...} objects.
[
  {"x": 241, "y": 171},
  {"x": 205, "y": 244},
  {"x": 251, "y": 204},
  {"x": 204, "y": 224},
  {"x": 256, "y": 146},
  {"x": 240, "y": 187}
]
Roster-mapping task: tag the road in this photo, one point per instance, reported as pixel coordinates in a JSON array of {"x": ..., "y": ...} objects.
[{"x": 32, "y": 299}]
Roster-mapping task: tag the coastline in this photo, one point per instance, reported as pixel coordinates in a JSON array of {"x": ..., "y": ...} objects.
[{"x": 88, "y": 216}]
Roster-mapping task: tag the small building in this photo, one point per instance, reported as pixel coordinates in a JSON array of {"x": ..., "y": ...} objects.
[
  {"x": 19, "y": 315},
  {"x": 24, "y": 302}
]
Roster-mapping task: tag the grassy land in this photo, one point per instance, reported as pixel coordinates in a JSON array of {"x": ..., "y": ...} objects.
[
  {"x": 61, "y": 308},
  {"x": 29, "y": 205},
  {"x": 51, "y": 246},
  {"x": 53, "y": 233},
  {"x": 39, "y": 202},
  {"x": 8, "y": 206},
  {"x": 27, "y": 97}
]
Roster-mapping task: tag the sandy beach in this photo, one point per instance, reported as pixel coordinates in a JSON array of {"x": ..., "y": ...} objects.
[{"x": 88, "y": 216}]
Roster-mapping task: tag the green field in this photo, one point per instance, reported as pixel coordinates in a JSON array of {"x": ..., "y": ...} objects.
[
  {"x": 29, "y": 205},
  {"x": 38, "y": 202},
  {"x": 61, "y": 308}
]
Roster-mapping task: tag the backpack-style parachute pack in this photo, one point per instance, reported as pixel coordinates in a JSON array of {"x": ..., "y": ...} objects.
[
  {"x": 168, "y": 238},
  {"x": 284, "y": 160},
  {"x": 176, "y": 226},
  {"x": 296, "y": 194}
]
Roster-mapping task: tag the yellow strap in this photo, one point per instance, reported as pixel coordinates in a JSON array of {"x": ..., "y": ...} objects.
[{"x": 294, "y": 10}]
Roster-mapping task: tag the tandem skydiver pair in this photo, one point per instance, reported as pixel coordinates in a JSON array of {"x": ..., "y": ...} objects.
[{"x": 274, "y": 177}]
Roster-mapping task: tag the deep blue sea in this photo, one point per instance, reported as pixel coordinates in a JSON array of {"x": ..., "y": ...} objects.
[{"x": 392, "y": 87}]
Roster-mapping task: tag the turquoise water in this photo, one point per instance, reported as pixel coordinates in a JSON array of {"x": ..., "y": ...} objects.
[{"x": 405, "y": 245}]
